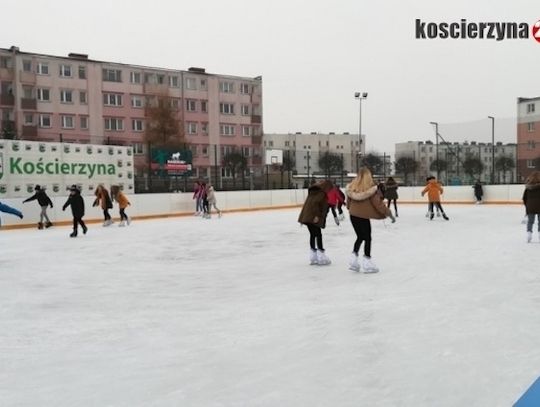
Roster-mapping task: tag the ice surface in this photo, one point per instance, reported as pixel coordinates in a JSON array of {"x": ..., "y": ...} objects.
[{"x": 227, "y": 312}]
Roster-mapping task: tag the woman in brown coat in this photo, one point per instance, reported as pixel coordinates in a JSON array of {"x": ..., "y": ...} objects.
[
  {"x": 531, "y": 200},
  {"x": 103, "y": 199},
  {"x": 313, "y": 215},
  {"x": 365, "y": 202}
]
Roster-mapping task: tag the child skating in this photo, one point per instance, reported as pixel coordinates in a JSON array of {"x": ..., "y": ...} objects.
[
  {"x": 531, "y": 200},
  {"x": 76, "y": 201},
  {"x": 210, "y": 202},
  {"x": 434, "y": 191},
  {"x": 44, "y": 202},
  {"x": 103, "y": 199},
  {"x": 123, "y": 203}
]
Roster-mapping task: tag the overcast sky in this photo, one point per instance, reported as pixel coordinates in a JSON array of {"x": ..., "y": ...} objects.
[{"x": 313, "y": 55}]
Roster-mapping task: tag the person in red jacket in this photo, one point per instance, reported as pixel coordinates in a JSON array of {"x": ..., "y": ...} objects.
[{"x": 335, "y": 199}]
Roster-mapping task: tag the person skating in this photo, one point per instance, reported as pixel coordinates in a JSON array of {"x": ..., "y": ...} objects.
[
  {"x": 531, "y": 200},
  {"x": 8, "y": 209},
  {"x": 391, "y": 193},
  {"x": 434, "y": 191},
  {"x": 333, "y": 198},
  {"x": 197, "y": 190},
  {"x": 123, "y": 203},
  {"x": 341, "y": 202},
  {"x": 103, "y": 199},
  {"x": 365, "y": 202},
  {"x": 313, "y": 215},
  {"x": 211, "y": 202},
  {"x": 44, "y": 202},
  {"x": 76, "y": 201},
  {"x": 478, "y": 192}
]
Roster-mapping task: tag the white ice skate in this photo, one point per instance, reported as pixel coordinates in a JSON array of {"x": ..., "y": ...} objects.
[
  {"x": 108, "y": 222},
  {"x": 313, "y": 257},
  {"x": 322, "y": 258},
  {"x": 122, "y": 224},
  {"x": 353, "y": 263},
  {"x": 128, "y": 220},
  {"x": 368, "y": 266},
  {"x": 529, "y": 237}
]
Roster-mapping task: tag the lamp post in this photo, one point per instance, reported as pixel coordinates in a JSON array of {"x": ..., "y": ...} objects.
[
  {"x": 359, "y": 96},
  {"x": 492, "y": 149},
  {"x": 436, "y": 145}
]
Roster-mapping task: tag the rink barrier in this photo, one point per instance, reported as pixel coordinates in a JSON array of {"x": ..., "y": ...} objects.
[{"x": 155, "y": 206}]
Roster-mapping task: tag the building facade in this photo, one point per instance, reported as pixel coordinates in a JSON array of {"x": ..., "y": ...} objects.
[
  {"x": 454, "y": 155},
  {"x": 76, "y": 99},
  {"x": 305, "y": 150},
  {"x": 528, "y": 136}
]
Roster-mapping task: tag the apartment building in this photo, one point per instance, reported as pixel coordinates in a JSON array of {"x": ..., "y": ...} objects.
[
  {"x": 528, "y": 136},
  {"x": 76, "y": 99},
  {"x": 305, "y": 149},
  {"x": 454, "y": 154}
]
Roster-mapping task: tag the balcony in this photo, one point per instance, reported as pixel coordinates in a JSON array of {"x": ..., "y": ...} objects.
[
  {"x": 156, "y": 89},
  {"x": 256, "y": 160},
  {"x": 27, "y": 77},
  {"x": 256, "y": 140},
  {"x": 256, "y": 119},
  {"x": 29, "y": 132},
  {"x": 6, "y": 74},
  {"x": 28, "y": 104},
  {"x": 7, "y": 99}
]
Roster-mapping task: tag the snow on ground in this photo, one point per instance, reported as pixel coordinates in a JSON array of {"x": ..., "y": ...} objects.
[{"x": 227, "y": 312}]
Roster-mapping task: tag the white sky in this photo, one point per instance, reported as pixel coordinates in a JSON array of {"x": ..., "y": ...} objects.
[
  {"x": 175, "y": 312},
  {"x": 313, "y": 55}
]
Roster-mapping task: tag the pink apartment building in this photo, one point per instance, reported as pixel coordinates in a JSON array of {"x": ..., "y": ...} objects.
[
  {"x": 528, "y": 136},
  {"x": 76, "y": 99}
]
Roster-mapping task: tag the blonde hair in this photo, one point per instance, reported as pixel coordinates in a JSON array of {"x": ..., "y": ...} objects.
[
  {"x": 363, "y": 181},
  {"x": 533, "y": 178}
]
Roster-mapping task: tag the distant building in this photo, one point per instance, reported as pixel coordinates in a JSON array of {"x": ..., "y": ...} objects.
[
  {"x": 528, "y": 136},
  {"x": 454, "y": 154}
]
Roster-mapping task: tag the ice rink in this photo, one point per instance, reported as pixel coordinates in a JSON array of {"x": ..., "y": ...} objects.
[{"x": 227, "y": 312}]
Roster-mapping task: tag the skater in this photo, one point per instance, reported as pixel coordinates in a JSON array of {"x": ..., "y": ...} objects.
[
  {"x": 333, "y": 198},
  {"x": 8, "y": 209},
  {"x": 123, "y": 203},
  {"x": 478, "y": 192},
  {"x": 531, "y": 200},
  {"x": 197, "y": 193},
  {"x": 211, "y": 202},
  {"x": 104, "y": 200},
  {"x": 391, "y": 193},
  {"x": 44, "y": 201},
  {"x": 313, "y": 215},
  {"x": 365, "y": 202},
  {"x": 76, "y": 201},
  {"x": 204, "y": 201},
  {"x": 434, "y": 191},
  {"x": 341, "y": 202}
]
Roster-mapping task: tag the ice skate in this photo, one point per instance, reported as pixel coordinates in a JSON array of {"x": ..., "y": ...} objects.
[
  {"x": 322, "y": 258},
  {"x": 341, "y": 217},
  {"x": 48, "y": 224},
  {"x": 128, "y": 221},
  {"x": 438, "y": 214},
  {"x": 84, "y": 230},
  {"x": 431, "y": 216},
  {"x": 368, "y": 266},
  {"x": 336, "y": 219},
  {"x": 313, "y": 257},
  {"x": 529, "y": 237},
  {"x": 122, "y": 224},
  {"x": 219, "y": 214},
  {"x": 73, "y": 234},
  {"x": 40, "y": 225},
  {"x": 445, "y": 217},
  {"x": 353, "y": 263}
]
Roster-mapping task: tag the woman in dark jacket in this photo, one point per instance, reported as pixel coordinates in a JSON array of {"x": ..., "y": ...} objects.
[
  {"x": 391, "y": 193},
  {"x": 531, "y": 199},
  {"x": 76, "y": 202},
  {"x": 313, "y": 215},
  {"x": 478, "y": 192}
]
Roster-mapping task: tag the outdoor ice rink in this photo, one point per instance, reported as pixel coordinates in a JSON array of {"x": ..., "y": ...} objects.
[{"x": 227, "y": 312}]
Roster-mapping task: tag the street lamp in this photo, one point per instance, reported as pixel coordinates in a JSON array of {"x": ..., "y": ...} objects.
[
  {"x": 359, "y": 96},
  {"x": 492, "y": 149},
  {"x": 436, "y": 145}
]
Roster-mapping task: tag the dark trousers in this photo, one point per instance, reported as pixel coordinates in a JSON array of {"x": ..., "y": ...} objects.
[
  {"x": 437, "y": 205},
  {"x": 76, "y": 222},
  {"x": 530, "y": 221},
  {"x": 123, "y": 215},
  {"x": 395, "y": 204},
  {"x": 106, "y": 214},
  {"x": 315, "y": 237},
  {"x": 362, "y": 228},
  {"x": 333, "y": 209}
]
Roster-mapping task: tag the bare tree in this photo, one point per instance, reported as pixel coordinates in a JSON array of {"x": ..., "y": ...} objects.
[{"x": 406, "y": 166}]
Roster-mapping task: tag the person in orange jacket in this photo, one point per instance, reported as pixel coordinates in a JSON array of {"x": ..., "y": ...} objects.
[
  {"x": 434, "y": 191},
  {"x": 123, "y": 203}
]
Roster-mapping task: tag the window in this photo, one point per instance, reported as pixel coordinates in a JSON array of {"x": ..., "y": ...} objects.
[
  {"x": 160, "y": 79},
  {"x": 530, "y": 107},
  {"x": 204, "y": 129},
  {"x": 530, "y": 127},
  {"x": 112, "y": 75},
  {"x": 82, "y": 72},
  {"x": 66, "y": 96},
  {"x": 137, "y": 101},
  {"x": 226, "y": 130},
  {"x": 43, "y": 68},
  {"x": 82, "y": 97},
  {"x": 226, "y": 87},
  {"x": 226, "y": 108},
  {"x": 194, "y": 150},
  {"x": 287, "y": 144},
  {"x": 173, "y": 103},
  {"x": 173, "y": 81},
  {"x": 154, "y": 78},
  {"x": 191, "y": 83},
  {"x": 271, "y": 144},
  {"x": 530, "y": 164},
  {"x": 43, "y": 95},
  {"x": 112, "y": 99},
  {"x": 67, "y": 122},
  {"x": 28, "y": 119},
  {"x": 28, "y": 92},
  {"x": 191, "y": 105},
  {"x": 531, "y": 145},
  {"x": 65, "y": 71},
  {"x": 244, "y": 88},
  {"x": 245, "y": 110},
  {"x": 84, "y": 122},
  {"x": 27, "y": 65},
  {"x": 204, "y": 106},
  {"x": 246, "y": 131},
  {"x": 203, "y": 84},
  {"x": 138, "y": 148},
  {"x": 192, "y": 128},
  {"x": 44, "y": 120},
  {"x": 137, "y": 125},
  {"x": 205, "y": 151},
  {"x": 135, "y": 77},
  {"x": 5, "y": 62},
  {"x": 114, "y": 124}
]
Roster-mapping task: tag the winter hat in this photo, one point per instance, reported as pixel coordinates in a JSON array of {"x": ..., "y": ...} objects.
[
  {"x": 37, "y": 188},
  {"x": 74, "y": 188}
]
